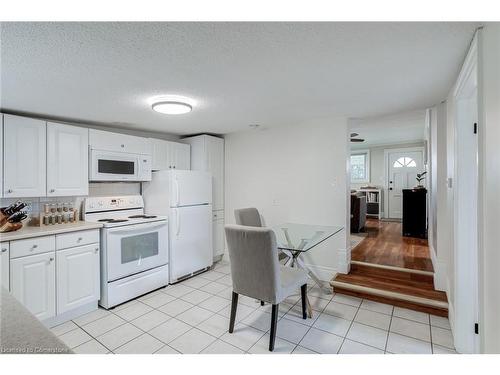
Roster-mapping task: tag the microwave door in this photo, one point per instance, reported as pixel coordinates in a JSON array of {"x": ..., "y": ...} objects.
[{"x": 109, "y": 166}]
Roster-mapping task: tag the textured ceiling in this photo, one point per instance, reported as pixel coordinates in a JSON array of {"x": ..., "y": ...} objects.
[
  {"x": 239, "y": 73},
  {"x": 404, "y": 127}
]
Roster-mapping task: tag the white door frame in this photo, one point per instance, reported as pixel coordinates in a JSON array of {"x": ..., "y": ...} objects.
[
  {"x": 466, "y": 277},
  {"x": 387, "y": 151}
]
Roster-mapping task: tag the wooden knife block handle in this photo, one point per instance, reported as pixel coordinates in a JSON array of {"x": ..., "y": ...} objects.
[{"x": 10, "y": 227}]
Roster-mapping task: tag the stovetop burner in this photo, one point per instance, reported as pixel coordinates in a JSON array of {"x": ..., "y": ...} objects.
[
  {"x": 142, "y": 217},
  {"x": 113, "y": 220}
]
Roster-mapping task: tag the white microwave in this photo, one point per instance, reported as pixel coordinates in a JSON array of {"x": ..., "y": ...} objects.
[{"x": 119, "y": 166}]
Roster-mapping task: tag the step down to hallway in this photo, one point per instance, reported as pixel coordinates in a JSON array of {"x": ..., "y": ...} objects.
[{"x": 399, "y": 287}]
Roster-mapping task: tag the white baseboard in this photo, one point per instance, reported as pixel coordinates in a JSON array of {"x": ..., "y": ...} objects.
[
  {"x": 440, "y": 271},
  {"x": 69, "y": 315}
]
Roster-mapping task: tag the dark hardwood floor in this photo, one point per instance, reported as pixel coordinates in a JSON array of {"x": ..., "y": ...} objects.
[
  {"x": 385, "y": 245},
  {"x": 409, "y": 288}
]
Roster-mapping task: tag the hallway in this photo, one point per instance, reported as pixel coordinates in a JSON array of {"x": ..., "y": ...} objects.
[{"x": 385, "y": 245}]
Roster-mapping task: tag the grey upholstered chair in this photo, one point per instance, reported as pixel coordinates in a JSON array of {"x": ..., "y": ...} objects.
[
  {"x": 248, "y": 217},
  {"x": 256, "y": 272}
]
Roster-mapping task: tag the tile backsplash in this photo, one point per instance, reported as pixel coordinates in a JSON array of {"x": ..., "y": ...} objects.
[{"x": 96, "y": 189}]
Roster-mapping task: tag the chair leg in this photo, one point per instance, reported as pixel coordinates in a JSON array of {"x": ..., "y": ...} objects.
[
  {"x": 234, "y": 305},
  {"x": 274, "y": 325},
  {"x": 262, "y": 303},
  {"x": 303, "y": 292}
]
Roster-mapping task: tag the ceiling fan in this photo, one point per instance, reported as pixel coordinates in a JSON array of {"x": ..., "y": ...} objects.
[{"x": 354, "y": 139}]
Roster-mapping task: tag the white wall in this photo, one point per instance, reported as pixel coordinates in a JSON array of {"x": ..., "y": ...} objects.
[
  {"x": 441, "y": 245},
  {"x": 489, "y": 183},
  {"x": 293, "y": 173}
]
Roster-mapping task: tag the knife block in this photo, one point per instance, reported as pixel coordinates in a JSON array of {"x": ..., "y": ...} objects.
[{"x": 5, "y": 226}]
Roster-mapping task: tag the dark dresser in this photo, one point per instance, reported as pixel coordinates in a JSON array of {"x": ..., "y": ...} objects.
[{"x": 415, "y": 213}]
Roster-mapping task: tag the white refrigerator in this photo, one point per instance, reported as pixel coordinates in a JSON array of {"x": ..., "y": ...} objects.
[{"x": 186, "y": 198}]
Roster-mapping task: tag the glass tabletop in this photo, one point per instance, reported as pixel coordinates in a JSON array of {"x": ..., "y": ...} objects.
[{"x": 302, "y": 237}]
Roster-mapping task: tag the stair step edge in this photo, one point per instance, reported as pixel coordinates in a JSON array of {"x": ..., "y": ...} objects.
[
  {"x": 392, "y": 268},
  {"x": 389, "y": 294}
]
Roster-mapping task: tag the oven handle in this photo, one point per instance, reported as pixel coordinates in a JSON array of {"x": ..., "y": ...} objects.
[{"x": 144, "y": 227}]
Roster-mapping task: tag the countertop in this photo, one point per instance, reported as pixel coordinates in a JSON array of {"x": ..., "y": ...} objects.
[
  {"x": 29, "y": 232},
  {"x": 22, "y": 333}
]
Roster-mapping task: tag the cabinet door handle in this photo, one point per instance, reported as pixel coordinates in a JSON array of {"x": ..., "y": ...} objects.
[
  {"x": 4, "y": 250},
  {"x": 51, "y": 259},
  {"x": 10, "y": 191},
  {"x": 79, "y": 239},
  {"x": 96, "y": 250},
  {"x": 52, "y": 190},
  {"x": 34, "y": 247},
  {"x": 122, "y": 146}
]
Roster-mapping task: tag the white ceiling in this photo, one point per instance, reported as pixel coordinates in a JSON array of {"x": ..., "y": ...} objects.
[
  {"x": 239, "y": 73},
  {"x": 407, "y": 127}
]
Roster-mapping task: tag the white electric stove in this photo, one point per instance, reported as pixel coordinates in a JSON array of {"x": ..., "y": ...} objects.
[{"x": 134, "y": 247}]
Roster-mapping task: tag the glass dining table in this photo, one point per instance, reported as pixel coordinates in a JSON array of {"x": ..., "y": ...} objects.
[{"x": 294, "y": 240}]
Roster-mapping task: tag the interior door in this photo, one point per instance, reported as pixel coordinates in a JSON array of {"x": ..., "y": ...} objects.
[
  {"x": 190, "y": 240},
  {"x": 403, "y": 168}
]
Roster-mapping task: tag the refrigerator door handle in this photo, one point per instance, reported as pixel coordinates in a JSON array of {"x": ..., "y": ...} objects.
[
  {"x": 178, "y": 193},
  {"x": 177, "y": 222}
]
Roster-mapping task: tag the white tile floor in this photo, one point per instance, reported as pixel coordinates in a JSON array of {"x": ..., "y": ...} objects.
[{"x": 193, "y": 317}]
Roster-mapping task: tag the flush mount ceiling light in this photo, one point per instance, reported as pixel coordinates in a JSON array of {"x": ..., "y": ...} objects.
[{"x": 172, "y": 105}]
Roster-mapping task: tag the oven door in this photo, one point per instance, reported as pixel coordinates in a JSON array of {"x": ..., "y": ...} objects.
[
  {"x": 135, "y": 248},
  {"x": 113, "y": 166}
]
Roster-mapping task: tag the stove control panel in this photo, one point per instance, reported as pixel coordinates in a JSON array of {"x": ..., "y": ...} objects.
[{"x": 96, "y": 204}]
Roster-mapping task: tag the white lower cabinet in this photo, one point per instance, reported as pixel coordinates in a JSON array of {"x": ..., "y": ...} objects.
[
  {"x": 33, "y": 283},
  {"x": 218, "y": 233},
  {"x": 4, "y": 265},
  {"x": 57, "y": 278},
  {"x": 77, "y": 277}
]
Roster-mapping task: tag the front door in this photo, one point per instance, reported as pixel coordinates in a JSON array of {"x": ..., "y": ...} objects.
[{"x": 403, "y": 168}]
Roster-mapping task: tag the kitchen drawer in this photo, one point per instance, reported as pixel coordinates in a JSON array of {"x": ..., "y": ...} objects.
[
  {"x": 218, "y": 215},
  {"x": 85, "y": 237},
  {"x": 32, "y": 246}
]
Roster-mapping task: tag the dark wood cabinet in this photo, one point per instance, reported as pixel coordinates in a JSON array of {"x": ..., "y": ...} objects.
[{"x": 415, "y": 213}]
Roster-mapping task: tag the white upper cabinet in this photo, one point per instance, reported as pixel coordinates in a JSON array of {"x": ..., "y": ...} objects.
[
  {"x": 170, "y": 155},
  {"x": 67, "y": 160},
  {"x": 24, "y": 157},
  {"x": 109, "y": 141},
  {"x": 33, "y": 283},
  {"x": 207, "y": 154},
  {"x": 180, "y": 155},
  {"x": 159, "y": 154},
  {"x": 77, "y": 277}
]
